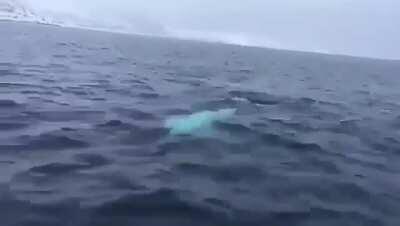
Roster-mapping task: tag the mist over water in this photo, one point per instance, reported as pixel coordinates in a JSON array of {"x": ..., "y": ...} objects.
[{"x": 359, "y": 28}]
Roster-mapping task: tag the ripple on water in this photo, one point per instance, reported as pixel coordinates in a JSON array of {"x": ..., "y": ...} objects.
[
  {"x": 135, "y": 114},
  {"x": 314, "y": 141},
  {"x": 257, "y": 97},
  {"x": 63, "y": 116},
  {"x": 45, "y": 142},
  {"x": 8, "y": 104}
]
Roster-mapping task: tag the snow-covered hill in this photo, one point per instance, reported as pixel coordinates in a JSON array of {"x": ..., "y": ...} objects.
[
  {"x": 19, "y": 10},
  {"x": 15, "y": 10}
]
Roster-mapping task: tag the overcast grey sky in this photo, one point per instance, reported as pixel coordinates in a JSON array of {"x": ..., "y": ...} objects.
[{"x": 353, "y": 27}]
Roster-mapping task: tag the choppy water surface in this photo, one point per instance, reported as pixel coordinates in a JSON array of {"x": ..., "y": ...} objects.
[{"x": 315, "y": 140}]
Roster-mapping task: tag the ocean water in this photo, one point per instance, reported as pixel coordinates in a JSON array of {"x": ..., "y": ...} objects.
[{"x": 314, "y": 140}]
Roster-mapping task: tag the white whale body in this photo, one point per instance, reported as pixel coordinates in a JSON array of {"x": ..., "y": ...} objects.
[{"x": 190, "y": 124}]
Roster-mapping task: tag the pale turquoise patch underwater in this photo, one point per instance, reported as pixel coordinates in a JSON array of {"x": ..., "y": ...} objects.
[{"x": 197, "y": 122}]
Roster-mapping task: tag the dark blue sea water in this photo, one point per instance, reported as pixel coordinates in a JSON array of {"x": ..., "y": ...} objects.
[{"x": 315, "y": 140}]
